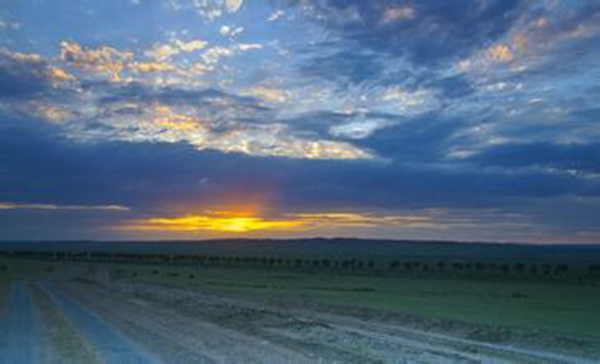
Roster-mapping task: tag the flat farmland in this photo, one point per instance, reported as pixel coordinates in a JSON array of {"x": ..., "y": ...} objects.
[
  {"x": 558, "y": 307},
  {"x": 147, "y": 313}
]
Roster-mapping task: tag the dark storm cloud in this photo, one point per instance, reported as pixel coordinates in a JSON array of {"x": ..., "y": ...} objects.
[
  {"x": 37, "y": 166},
  {"x": 418, "y": 140},
  {"x": 426, "y": 32},
  {"x": 574, "y": 157},
  {"x": 345, "y": 67},
  {"x": 57, "y": 225},
  {"x": 390, "y": 187},
  {"x": 146, "y": 175}
]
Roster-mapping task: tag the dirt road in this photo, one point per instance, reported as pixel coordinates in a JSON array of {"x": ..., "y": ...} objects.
[
  {"x": 21, "y": 341},
  {"x": 109, "y": 341},
  {"x": 128, "y": 322},
  {"x": 261, "y": 332}
]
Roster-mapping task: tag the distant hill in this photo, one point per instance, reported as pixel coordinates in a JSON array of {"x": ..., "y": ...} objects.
[{"x": 335, "y": 247}]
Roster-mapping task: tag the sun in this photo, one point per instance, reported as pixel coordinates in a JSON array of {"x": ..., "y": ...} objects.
[{"x": 223, "y": 221}]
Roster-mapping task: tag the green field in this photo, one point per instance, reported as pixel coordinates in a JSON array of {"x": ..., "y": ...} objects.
[{"x": 564, "y": 308}]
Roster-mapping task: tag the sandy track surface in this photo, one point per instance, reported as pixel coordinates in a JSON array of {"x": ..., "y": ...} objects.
[
  {"x": 66, "y": 344},
  {"x": 109, "y": 341},
  {"x": 180, "y": 338},
  {"x": 215, "y": 328},
  {"x": 20, "y": 334}
]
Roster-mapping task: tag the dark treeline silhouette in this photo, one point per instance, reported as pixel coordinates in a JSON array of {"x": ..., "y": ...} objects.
[
  {"x": 442, "y": 268},
  {"x": 495, "y": 269}
]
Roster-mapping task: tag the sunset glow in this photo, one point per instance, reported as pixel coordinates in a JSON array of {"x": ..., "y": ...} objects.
[
  {"x": 391, "y": 118},
  {"x": 232, "y": 222},
  {"x": 229, "y": 223}
]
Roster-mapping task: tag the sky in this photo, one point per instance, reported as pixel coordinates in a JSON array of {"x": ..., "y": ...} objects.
[{"x": 472, "y": 120}]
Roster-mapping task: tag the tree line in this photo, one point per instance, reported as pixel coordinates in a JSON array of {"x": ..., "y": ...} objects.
[{"x": 409, "y": 267}]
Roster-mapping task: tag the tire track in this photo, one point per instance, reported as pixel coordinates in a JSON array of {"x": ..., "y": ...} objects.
[
  {"x": 205, "y": 341},
  {"x": 67, "y": 343},
  {"x": 113, "y": 345},
  {"x": 21, "y": 336}
]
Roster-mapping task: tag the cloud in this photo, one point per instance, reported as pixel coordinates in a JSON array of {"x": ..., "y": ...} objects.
[
  {"x": 209, "y": 9},
  {"x": 541, "y": 37},
  {"x": 427, "y": 32},
  {"x": 480, "y": 109},
  {"x": 568, "y": 158},
  {"x": 112, "y": 63},
  {"x": 48, "y": 112},
  {"x": 244, "y": 47},
  {"x": 360, "y": 127},
  {"x": 398, "y": 13},
  {"x": 272, "y": 141},
  {"x": 158, "y": 179},
  {"x": 344, "y": 66},
  {"x": 103, "y": 60},
  {"x": 27, "y": 75},
  {"x": 221, "y": 222},
  {"x": 500, "y": 53},
  {"x": 276, "y": 15},
  {"x": 7, "y": 24},
  {"x": 149, "y": 67},
  {"x": 205, "y": 119},
  {"x": 231, "y": 32},
  {"x": 214, "y": 54},
  {"x": 268, "y": 94},
  {"x": 234, "y": 222},
  {"x": 53, "y": 207},
  {"x": 406, "y": 102},
  {"x": 59, "y": 75},
  {"x": 163, "y": 52},
  {"x": 357, "y": 219}
]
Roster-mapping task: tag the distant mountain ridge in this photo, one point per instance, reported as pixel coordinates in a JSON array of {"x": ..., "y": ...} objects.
[{"x": 334, "y": 247}]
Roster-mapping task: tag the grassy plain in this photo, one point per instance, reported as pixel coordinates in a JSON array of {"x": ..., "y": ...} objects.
[
  {"x": 304, "y": 306},
  {"x": 565, "y": 308}
]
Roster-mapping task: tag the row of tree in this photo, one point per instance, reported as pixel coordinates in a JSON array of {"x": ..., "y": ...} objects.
[
  {"x": 485, "y": 267},
  {"x": 405, "y": 267}
]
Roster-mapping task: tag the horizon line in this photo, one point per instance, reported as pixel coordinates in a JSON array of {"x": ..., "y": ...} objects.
[{"x": 275, "y": 239}]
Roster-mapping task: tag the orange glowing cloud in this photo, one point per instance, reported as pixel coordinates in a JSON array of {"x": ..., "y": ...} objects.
[
  {"x": 500, "y": 53},
  {"x": 232, "y": 222},
  {"x": 216, "y": 222}
]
